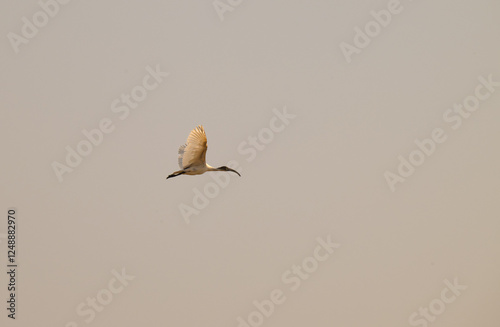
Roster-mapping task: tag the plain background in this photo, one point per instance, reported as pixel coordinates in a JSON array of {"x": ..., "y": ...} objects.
[{"x": 322, "y": 175}]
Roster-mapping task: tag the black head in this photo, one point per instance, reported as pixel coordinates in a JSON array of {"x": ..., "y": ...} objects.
[{"x": 224, "y": 168}]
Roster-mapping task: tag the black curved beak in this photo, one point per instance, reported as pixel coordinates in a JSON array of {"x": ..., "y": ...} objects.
[{"x": 234, "y": 171}]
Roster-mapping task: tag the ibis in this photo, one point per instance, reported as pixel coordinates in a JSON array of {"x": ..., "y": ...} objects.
[{"x": 192, "y": 155}]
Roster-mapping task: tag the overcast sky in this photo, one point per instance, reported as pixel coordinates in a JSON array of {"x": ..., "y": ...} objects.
[{"x": 366, "y": 134}]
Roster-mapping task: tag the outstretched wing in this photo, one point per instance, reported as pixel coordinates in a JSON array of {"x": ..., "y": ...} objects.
[{"x": 193, "y": 152}]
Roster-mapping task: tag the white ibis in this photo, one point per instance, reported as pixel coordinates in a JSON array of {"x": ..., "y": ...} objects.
[{"x": 192, "y": 155}]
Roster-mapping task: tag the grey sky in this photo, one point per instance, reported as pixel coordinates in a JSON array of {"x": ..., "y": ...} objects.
[{"x": 355, "y": 117}]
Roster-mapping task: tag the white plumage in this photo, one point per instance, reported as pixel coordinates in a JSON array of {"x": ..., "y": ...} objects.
[
  {"x": 192, "y": 155},
  {"x": 193, "y": 152}
]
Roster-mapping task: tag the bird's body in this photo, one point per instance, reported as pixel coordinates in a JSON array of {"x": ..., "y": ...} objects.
[{"x": 192, "y": 155}]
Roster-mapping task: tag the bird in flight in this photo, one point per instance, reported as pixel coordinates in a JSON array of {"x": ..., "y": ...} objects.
[{"x": 192, "y": 155}]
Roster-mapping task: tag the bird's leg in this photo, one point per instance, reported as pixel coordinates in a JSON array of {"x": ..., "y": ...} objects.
[
  {"x": 173, "y": 175},
  {"x": 176, "y": 173}
]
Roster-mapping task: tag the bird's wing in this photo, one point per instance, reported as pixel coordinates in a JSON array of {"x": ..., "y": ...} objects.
[{"x": 193, "y": 152}]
